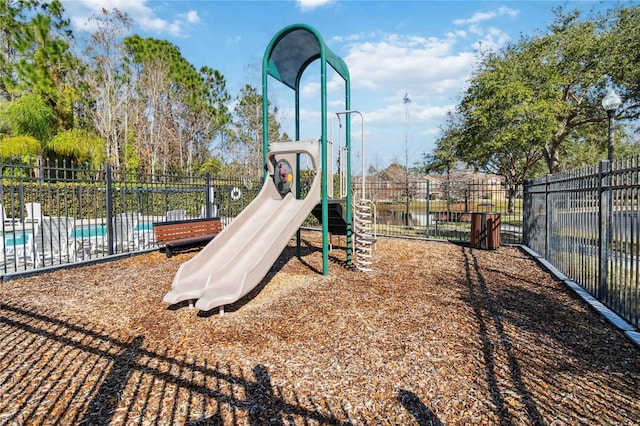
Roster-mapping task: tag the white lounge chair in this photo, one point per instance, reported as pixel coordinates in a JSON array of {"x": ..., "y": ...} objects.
[
  {"x": 51, "y": 242},
  {"x": 7, "y": 221},
  {"x": 125, "y": 237},
  {"x": 175, "y": 215},
  {"x": 17, "y": 247},
  {"x": 34, "y": 212}
]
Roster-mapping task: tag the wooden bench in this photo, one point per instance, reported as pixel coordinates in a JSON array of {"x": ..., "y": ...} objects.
[{"x": 186, "y": 233}]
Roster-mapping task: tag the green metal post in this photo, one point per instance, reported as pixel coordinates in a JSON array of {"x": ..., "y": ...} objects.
[
  {"x": 297, "y": 130},
  {"x": 325, "y": 202},
  {"x": 265, "y": 116}
]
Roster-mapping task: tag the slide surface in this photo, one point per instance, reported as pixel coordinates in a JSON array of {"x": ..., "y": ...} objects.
[{"x": 236, "y": 260}]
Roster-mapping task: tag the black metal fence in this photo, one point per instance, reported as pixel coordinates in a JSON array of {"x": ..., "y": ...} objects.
[
  {"x": 586, "y": 224},
  {"x": 420, "y": 208},
  {"x": 58, "y": 213}
]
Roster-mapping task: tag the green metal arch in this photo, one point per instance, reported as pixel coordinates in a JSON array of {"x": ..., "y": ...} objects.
[{"x": 287, "y": 56}]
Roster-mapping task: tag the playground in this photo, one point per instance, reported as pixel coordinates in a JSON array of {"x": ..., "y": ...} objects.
[
  {"x": 437, "y": 333},
  {"x": 316, "y": 330}
]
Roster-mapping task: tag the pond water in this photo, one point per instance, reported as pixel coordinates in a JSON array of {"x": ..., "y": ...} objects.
[{"x": 395, "y": 217}]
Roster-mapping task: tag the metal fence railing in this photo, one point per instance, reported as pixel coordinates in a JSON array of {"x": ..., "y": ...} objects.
[
  {"x": 585, "y": 223},
  {"x": 421, "y": 209},
  {"x": 58, "y": 213}
]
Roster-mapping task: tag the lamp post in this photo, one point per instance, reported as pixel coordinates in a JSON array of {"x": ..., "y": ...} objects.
[{"x": 610, "y": 103}]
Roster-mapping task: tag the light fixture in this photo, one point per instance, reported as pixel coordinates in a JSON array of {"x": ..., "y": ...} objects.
[{"x": 611, "y": 102}]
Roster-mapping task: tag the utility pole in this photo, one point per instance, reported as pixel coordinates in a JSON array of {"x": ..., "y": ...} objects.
[{"x": 406, "y": 101}]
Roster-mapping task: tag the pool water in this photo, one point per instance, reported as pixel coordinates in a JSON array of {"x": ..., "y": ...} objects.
[
  {"x": 16, "y": 238},
  {"x": 88, "y": 231}
]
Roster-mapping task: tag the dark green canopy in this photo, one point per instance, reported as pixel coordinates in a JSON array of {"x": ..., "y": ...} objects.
[{"x": 293, "y": 49}]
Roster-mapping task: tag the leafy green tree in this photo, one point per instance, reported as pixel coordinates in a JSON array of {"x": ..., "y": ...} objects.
[
  {"x": 539, "y": 100},
  {"x": 80, "y": 146},
  {"x": 179, "y": 108},
  {"x": 25, "y": 148},
  {"x": 45, "y": 65},
  {"x": 212, "y": 165},
  {"x": 29, "y": 115},
  {"x": 623, "y": 42},
  {"x": 204, "y": 115},
  {"x": 443, "y": 159},
  {"x": 12, "y": 16}
]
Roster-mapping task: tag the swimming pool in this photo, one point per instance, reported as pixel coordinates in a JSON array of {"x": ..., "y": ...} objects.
[
  {"x": 17, "y": 238},
  {"x": 89, "y": 231}
]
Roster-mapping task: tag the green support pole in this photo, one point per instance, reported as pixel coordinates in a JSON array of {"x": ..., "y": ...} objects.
[
  {"x": 297, "y": 130},
  {"x": 325, "y": 202},
  {"x": 265, "y": 117}
]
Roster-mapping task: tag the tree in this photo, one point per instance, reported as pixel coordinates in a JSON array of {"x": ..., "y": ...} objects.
[
  {"x": 538, "y": 98},
  {"x": 443, "y": 159},
  {"x": 12, "y": 16},
  {"x": 246, "y": 144},
  {"x": 204, "y": 115},
  {"x": 403, "y": 178},
  {"x": 29, "y": 115},
  {"x": 80, "y": 146},
  {"x": 108, "y": 81},
  {"x": 45, "y": 65},
  {"x": 623, "y": 41},
  {"x": 179, "y": 109},
  {"x": 22, "y": 147}
]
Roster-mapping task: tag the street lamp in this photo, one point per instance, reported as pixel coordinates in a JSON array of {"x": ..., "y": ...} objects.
[{"x": 610, "y": 103}]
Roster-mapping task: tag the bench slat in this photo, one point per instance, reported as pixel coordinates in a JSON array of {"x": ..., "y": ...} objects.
[{"x": 186, "y": 232}]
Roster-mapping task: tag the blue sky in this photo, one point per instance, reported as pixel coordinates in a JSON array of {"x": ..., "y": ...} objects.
[{"x": 425, "y": 49}]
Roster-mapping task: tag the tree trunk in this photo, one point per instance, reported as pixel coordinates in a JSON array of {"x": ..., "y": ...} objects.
[{"x": 552, "y": 158}]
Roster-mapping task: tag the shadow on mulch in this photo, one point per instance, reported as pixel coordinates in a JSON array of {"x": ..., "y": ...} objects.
[
  {"x": 62, "y": 371},
  {"x": 131, "y": 375},
  {"x": 531, "y": 312}
]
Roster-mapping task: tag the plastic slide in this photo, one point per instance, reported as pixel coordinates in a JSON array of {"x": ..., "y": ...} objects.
[{"x": 236, "y": 260}]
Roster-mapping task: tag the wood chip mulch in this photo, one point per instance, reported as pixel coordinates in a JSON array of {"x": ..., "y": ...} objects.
[{"x": 437, "y": 334}]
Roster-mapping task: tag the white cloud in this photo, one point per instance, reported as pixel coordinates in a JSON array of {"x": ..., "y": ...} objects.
[
  {"x": 419, "y": 64},
  {"x": 192, "y": 17},
  {"x": 307, "y": 5},
  {"x": 144, "y": 16},
  {"x": 486, "y": 16}
]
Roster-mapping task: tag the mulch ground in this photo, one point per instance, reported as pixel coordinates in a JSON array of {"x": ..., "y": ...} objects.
[{"x": 438, "y": 333}]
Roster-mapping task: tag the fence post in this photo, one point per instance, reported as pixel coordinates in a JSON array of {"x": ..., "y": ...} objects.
[
  {"x": 604, "y": 192},
  {"x": 109, "y": 204},
  {"x": 527, "y": 209},
  {"x": 207, "y": 194},
  {"x": 21, "y": 201},
  {"x": 548, "y": 222},
  {"x": 428, "y": 222}
]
